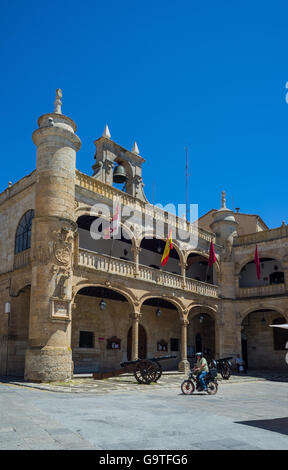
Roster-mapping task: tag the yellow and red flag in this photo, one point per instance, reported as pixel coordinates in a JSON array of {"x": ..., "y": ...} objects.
[{"x": 168, "y": 247}]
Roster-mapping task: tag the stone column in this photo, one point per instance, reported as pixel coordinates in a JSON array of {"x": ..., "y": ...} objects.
[
  {"x": 184, "y": 365},
  {"x": 136, "y": 251},
  {"x": 183, "y": 266},
  {"x": 135, "y": 317},
  {"x": 49, "y": 355}
]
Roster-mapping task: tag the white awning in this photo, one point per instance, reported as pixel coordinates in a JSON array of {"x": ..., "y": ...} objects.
[{"x": 285, "y": 325}]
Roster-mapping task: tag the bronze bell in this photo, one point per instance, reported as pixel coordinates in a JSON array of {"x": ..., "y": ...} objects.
[{"x": 119, "y": 175}]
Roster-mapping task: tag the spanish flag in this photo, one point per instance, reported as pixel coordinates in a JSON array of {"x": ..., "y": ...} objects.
[{"x": 167, "y": 249}]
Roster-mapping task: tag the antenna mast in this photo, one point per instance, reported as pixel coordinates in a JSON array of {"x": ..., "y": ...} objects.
[{"x": 187, "y": 185}]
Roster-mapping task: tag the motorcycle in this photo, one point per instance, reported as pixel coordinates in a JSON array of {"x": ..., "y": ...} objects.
[
  {"x": 189, "y": 385},
  {"x": 224, "y": 366}
]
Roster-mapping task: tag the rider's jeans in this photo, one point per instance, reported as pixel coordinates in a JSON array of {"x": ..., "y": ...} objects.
[{"x": 201, "y": 379}]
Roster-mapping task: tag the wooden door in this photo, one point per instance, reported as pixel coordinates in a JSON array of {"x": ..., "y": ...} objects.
[{"x": 142, "y": 343}]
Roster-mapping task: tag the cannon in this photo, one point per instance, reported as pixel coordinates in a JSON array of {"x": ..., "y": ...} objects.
[{"x": 145, "y": 370}]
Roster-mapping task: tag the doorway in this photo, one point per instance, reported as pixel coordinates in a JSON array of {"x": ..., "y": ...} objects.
[
  {"x": 142, "y": 343},
  {"x": 244, "y": 350}
]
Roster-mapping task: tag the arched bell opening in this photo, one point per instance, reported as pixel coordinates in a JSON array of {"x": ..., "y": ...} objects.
[
  {"x": 198, "y": 268},
  {"x": 160, "y": 318},
  {"x": 264, "y": 347},
  {"x": 271, "y": 272},
  {"x": 122, "y": 175},
  {"x": 201, "y": 334},
  {"x": 116, "y": 247},
  {"x": 151, "y": 253},
  {"x": 100, "y": 321}
]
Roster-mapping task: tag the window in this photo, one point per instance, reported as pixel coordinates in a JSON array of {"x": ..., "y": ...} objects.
[
  {"x": 280, "y": 335},
  {"x": 23, "y": 233},
  {"x": 277, "y": 278},
  {"x": 174, "y": 344},
  {"x": 86, "y": 339}
]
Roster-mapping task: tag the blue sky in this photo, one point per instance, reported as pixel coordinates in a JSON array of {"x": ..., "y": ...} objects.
[{"x": 207, "y": 75}]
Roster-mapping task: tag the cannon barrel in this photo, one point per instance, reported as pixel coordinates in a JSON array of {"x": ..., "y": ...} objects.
[{"x": 152, "y": 359}]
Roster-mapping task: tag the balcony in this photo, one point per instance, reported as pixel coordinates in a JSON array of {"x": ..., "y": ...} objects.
[
  {"x": 128, "y": 269},
  {"x": 22, "y": 259},
  {"x": 263, "y": 236},
  {"x": 261, "y": 291}
]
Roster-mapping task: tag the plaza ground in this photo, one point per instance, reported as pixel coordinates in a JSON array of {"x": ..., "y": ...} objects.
[{"x": 248, "y": 412}]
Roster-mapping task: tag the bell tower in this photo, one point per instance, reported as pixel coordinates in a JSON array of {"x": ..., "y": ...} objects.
[
  {"x": 49, "y": 356},
  {"x": 115, "y": 164}
]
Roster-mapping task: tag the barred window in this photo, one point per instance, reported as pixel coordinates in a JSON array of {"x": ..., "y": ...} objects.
[
  {"x": 174, "y": 344},
  {"x": 86, "y": 339},
  {"x": 23, "y": 233}
]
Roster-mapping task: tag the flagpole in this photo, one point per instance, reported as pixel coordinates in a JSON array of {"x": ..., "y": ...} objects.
[
  {"x": 187, "y": 188},
  {"x": 207, "y": 272}
]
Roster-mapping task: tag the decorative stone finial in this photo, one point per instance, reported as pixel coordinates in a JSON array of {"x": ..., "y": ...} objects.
[
  {"x": 106, "y": 132},
  {"x": 58, "y": 101},
  {"x": 135, "y": 148},
  {"x": 223, "y": 200}
]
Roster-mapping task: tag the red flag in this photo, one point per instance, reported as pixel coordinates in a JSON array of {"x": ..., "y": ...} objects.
[
  {"x": 212, "y": 256},
  {"x": 114, "y": 225},
  {"x": 257, "y": 262}
]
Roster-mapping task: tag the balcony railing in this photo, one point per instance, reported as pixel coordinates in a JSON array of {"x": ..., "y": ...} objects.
[
  {"x": 22, "y": 259},
  {"x": 128, "y": 269},
  {"x": 264, "y": 236},
  {"x": 261, "y": 291}
]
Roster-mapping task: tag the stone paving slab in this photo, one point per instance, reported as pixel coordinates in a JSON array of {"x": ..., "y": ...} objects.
[
  {"x": 127, "y": 382},
  {"x": 244, "y": 414}
]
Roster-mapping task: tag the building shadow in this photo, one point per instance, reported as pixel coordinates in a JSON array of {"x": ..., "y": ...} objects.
[
  {"x": 279, "y": 425},
  {"x": 271, "y": 375}
]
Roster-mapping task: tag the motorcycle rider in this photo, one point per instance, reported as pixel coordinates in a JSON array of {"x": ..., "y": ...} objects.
[{"x": 202, "y": 369}]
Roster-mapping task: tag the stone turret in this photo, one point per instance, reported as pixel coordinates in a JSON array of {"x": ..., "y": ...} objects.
[
  {"x": 49, "y": 354},
  {"x": 224, "y": 224}
]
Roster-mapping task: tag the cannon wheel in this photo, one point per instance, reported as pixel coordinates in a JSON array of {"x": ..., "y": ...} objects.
[
  {"x": 159, "y": 371},
  {"x": 146, "y": 372}
]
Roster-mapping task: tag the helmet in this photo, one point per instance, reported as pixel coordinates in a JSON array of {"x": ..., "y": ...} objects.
[{"x": 199, "y": 354}]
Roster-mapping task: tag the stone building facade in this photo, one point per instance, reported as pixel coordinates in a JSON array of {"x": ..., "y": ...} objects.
[{"x": 70, "y": 302}]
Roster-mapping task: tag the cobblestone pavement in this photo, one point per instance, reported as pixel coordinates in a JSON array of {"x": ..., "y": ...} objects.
[
  {"x": 127, "y": 382},
  {"x": 248, "y": 412}
]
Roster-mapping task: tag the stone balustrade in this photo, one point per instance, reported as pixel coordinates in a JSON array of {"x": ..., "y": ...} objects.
[
  {"x": 129, "y": 269},
  {"x": 261, "y": 291},
  {"x": 264, "y": 236},
  {"x": 22, "y": 259}
]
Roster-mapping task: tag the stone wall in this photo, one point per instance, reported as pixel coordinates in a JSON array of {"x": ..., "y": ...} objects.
[
  {"x": 260, "y": 342},
  {"x": 115, "y": 321}
]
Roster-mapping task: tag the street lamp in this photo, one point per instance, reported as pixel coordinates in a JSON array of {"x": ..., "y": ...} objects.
[
  {"x": 7, "y": 307},
  {"x": 102, "y": 304}
]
